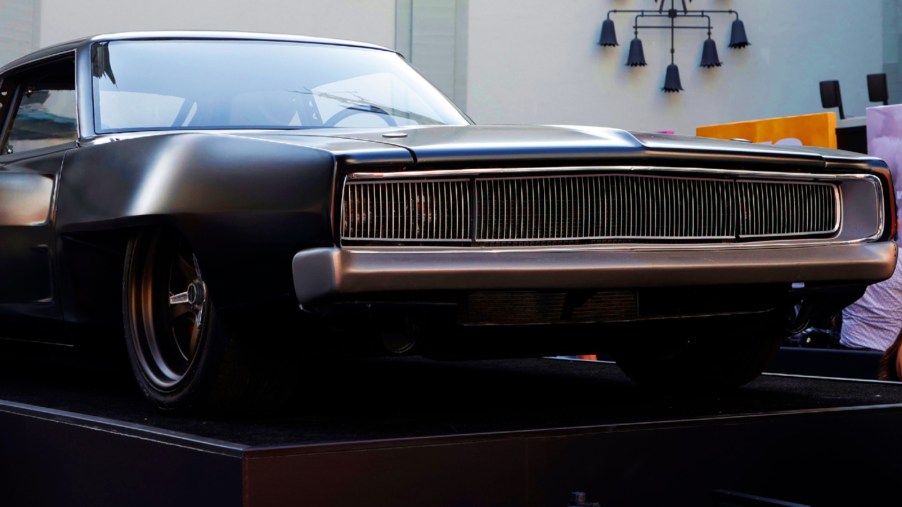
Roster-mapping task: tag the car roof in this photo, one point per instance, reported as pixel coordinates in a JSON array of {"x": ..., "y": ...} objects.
[{"x": 183, "y": 35}]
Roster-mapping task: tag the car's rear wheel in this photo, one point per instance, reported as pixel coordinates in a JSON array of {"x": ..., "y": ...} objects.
[
  {"x": 706, "y": 359},
  {"x": 181, "y": 351}
]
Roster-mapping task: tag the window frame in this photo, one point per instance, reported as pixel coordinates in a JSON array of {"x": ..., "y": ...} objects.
[{"x": 13, "y": 78}]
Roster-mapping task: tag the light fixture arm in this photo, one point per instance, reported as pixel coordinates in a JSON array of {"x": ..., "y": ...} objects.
[
  {"x": 643, "y": 13},
  {"x": 690, "y": 13},
  {"x": 672, "y": 34}
]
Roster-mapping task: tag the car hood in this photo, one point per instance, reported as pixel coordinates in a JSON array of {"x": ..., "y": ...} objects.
[
  {"x": 488, "y": 143},
  {"x": 483, "y": 143}
]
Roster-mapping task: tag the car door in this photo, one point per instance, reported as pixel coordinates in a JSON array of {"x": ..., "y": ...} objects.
[{"x": 38, "y": 108}]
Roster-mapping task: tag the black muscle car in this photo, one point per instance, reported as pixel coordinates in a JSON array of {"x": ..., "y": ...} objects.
[{"x": 238, "y": 202}]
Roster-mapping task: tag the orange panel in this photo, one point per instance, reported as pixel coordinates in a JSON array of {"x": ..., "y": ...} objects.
[{"x": 811, "y": 129}]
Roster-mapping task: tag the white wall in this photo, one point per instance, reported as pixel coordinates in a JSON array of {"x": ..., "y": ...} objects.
[
  {"x": 892, "y": 47},
  {"x": 362, "y": 20},
  {"x": 535, "y": 61},
  {"x": 19, "y": 23}
]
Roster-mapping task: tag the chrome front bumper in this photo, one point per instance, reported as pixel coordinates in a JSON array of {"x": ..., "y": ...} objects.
[{"x": 322, "y": 272}]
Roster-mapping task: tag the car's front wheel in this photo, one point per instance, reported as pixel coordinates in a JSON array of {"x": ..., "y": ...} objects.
[
  {"x": 182, "y": 353},
  {"x": 687, "y": 359}
]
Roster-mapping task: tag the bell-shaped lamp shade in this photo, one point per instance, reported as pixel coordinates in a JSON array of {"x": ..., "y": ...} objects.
[
  {"x": 709, "y": 55},
  {"x": 672, "y": 80},
  {"x": 737, "y": 35},
  {"x": 608, "y": 35},
  {"x": 637, "y": 54}
]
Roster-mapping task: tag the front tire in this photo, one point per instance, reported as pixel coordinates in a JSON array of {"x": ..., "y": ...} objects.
[
  {"x": 706, "y": 359},
  {"x": 181, "y": 350}
]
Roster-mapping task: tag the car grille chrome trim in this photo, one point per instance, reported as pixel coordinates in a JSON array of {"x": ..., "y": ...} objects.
[{"x": 484, "y": 210}]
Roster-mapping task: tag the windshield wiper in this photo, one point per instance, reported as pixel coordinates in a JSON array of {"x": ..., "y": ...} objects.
[{"x": 361, "y": 104}]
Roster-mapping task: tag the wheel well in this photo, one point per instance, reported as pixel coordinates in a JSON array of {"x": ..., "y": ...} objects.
[
  {"x": 246, "y": 261},
  {"x": 90, "y": 274}
]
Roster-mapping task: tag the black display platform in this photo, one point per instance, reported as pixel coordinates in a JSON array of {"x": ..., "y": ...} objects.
[{"x": 491, "y": 433}]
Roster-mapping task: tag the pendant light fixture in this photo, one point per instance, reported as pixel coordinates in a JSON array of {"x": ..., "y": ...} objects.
[
  {"x": 709, "y": 54},
  {"x": 637, "y": 54},
  {"x": 710, "y": 58},
  {"x": 738, "y": 40}
]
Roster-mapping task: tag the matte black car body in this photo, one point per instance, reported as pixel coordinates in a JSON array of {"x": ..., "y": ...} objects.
[{"x": 261, "y": 211}]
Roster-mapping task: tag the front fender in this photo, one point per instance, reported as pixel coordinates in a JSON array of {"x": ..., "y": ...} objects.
[{"x": 245, "y": 205}]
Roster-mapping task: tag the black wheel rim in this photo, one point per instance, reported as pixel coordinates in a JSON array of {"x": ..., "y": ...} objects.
[{"x": 168, "y": 309}]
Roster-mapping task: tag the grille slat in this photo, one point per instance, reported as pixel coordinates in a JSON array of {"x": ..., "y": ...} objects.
[{"x": 597, "y": 208}]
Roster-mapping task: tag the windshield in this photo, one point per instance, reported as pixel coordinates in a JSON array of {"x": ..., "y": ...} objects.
[{"x": 222, "y": 84}]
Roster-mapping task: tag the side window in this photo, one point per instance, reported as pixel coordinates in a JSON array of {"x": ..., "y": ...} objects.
[{"x": 43, "y": 113}]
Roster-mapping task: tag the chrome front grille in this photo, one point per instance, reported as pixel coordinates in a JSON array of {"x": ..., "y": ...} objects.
[
  {"x": 407, "y": 211},
  {"x": 786, "y": 208},
  {"x": 579, "y": 208},
  {"x": 584, "y": 209}
]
